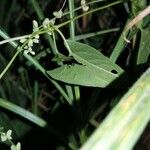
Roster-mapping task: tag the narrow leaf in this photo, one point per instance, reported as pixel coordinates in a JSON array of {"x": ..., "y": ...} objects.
[
  {"x": 144, "y": 49},
  {"x": 126, "y": 122},
  {"x": 22, "y": 112}
]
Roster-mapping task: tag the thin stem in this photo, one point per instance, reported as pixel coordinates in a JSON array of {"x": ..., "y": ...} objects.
[
  {"x": 70, "y": 93},
  {"x": 78, "y": 8},
  {"x": 35, "y": 98},
  {"x": 55, "y": 45},
  {"x": 89, "y": 3},
  {"x": 64, "y": 39},
  {"x": 63, "y": 5},
  {"x": 77, "y": 92},
  {"x": 72, "y": 24},
  {"x": 5, "y": 36},
  {"x": 41, "y": 16},
  {"x": 9, "y": 64},
  {"x": 14, "y": 57},
  {"x": 15, "y": 39},
  {"x": 72, "y": 36}
]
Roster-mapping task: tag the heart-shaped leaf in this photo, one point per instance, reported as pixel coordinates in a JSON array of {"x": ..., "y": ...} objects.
[{"x": 95, "y": 70}]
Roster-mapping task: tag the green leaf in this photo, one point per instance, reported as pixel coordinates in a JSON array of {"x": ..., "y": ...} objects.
[
  {"x": 144, "y": 49},
  {"x": 137, "y": 6},
  {"x": 78, "y": 74},
  {"x": 95, "y": 70},
  {"x": 91, "y": 57},
  {"x": 121, "y": 43}
]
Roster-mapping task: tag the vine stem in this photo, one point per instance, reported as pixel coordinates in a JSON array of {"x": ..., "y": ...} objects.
[
  {"x": 14, "y": 39},
  {"x": 64, "y": 39},
  {"x": 9, "y": 64}
]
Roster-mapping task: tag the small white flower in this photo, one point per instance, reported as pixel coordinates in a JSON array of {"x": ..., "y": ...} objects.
[
  {"x": 22, "y": 40},
  {"x": 84, "y": 6},
  {"x": 31, "y": 40},
  {"x": 30, "y": 43},
  {"x": 35, "y": 40},
  {"x": 3, "y": 137},
  {"x": 58, "y": 14},
  {"x": 83, "y": 2},
  {"x": 35, "y": 26},
  {"x": 37, "y": 36},
  {"x": 46, "y": 22},
  {"x": 52, "y": 21},
  {"x": 26, "y": 47},
  {"x": 50, "y": 33},
  {"x": 32, "y": 52},
  {"x": 29, "y": 50},
  {"x": 8, "y": 134},
  {"x": 16, "y": 147}
]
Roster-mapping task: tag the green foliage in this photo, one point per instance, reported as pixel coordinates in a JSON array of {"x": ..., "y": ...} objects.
[
  {"x": 94, "y": 69},
  {"x": 122, "y": 127},
  {"x": 45, "y": 113},
  {"x": 137, "y": 6},
  {"x": 144, "y": 48}
]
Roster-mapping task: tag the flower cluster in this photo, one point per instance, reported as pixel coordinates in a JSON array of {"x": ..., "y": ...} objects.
[
  {"x": 31, "y": 40},
  {"x": 7, "y": 137},
  {"x": 35, "y": 39},
  {"x": 16, "y": 147},
  {"x": 46, "y": 23},
  {"x": 84, "y": 6},
  {"x": 58, "y": 14}
]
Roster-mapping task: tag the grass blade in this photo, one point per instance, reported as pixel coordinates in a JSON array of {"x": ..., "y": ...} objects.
[
  {"x": 22, "y": 112},
  {"x": 124, "y": 125},
  {"x": 89, "y": 35}
]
